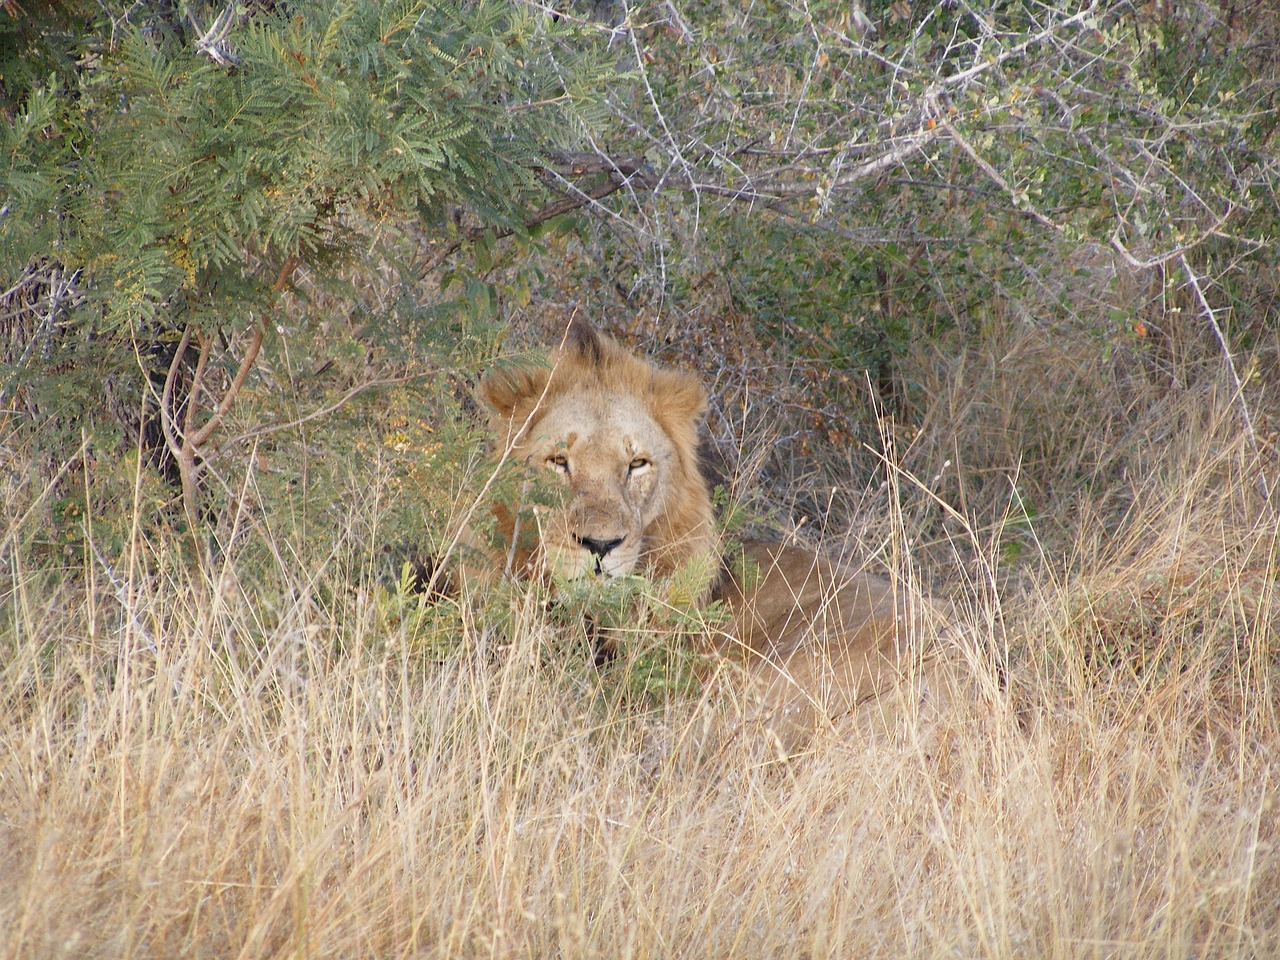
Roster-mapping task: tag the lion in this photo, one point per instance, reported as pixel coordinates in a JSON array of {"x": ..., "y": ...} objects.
[{"x": 813, "y": 640}]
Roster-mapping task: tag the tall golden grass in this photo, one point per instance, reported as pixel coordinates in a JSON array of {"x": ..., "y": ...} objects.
[{"x": 264, "y": 766}]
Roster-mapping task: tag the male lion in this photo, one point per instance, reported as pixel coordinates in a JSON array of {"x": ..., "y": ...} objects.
[{"x": 816, "y": 638}]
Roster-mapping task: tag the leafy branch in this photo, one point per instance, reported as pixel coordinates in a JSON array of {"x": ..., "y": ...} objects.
[{"x": 618, "y": 173}]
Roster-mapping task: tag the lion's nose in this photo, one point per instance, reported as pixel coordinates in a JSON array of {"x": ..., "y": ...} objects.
[{"x": 599, "y": 547}]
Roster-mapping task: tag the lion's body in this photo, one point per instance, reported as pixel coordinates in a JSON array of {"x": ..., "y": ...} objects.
[
  {"x": 816, "y": 638},
  {"x": 819, "y": 639}
]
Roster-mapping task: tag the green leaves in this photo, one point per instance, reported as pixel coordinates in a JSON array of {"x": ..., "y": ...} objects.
[
  {"x": 188, "y": 164},
  {"x": 338, "y": 112}
]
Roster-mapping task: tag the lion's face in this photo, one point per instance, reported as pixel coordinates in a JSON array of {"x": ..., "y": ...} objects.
[
  {"x": 617, "y": 463},
  {"x": 621, "y": 435}
]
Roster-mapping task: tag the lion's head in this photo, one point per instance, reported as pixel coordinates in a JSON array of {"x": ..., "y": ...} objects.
[{"x": 621, "y": 435}]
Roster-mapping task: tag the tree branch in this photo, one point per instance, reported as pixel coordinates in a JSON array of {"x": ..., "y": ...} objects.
[
  {"x": 1263, "y": 487},
  {"x": 186, "y": 449},
  {"x": 166, "y": 397},
  {"x": 251, "y": 354},
  {"x": 259, "y": 432},
  {"x": 621, "y": 173}
]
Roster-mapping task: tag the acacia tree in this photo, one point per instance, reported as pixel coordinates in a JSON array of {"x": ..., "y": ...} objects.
[{"x": 171, "y": 171}]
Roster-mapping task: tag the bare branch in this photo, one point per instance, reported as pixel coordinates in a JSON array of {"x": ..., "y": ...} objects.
[
  {"x": 1017, "y": 198},
  {"x": 1176, "y": 253},
  {"x": 896, "y": 154},
  {"x": 1017, "y": 50},
  {"x": 197, "y": 383},
  {"x": 260, "y": 432},
  {"x": 242, "y": 373},
  {"x": 186, "y": 448},
  {"x": 1245, "y": 418},
  {"x": 171, "y": 437}
]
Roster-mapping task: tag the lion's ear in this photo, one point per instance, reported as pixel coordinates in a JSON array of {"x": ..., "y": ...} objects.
[
  {"x": 681, "y": 396},
  {"x": 505, "y": 390},
  {"x": 583, "y": 339}
]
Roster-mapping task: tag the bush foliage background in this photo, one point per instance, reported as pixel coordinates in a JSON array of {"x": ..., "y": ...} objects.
[
  {"x": 985, "y": 294},
  {"x": 807, "y": 196}
]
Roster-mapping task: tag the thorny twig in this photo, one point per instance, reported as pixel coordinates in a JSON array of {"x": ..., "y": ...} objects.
[
  {"x": 620, "y": 172},
  {"x": 1177, "y": 253},
  {"x": 212, "y": 42},
  {"x": 62, "y": 291},
  {"x": 1018, "y": 199},
  {"x": 1263, "y": 487}
]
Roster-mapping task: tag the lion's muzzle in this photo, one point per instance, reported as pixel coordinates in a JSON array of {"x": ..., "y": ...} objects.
[{"x": 599, "y": 547}]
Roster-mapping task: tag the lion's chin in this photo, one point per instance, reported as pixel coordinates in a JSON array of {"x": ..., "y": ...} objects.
[{"x": 581, "y": 564}]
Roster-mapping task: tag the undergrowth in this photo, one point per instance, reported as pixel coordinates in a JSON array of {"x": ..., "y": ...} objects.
[{"x": 289, "y": 753}]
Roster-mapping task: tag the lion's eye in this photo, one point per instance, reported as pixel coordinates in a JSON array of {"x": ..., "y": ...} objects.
[
  {"x": 637, "y": 464},
  {"x": 559, "y": 461}
]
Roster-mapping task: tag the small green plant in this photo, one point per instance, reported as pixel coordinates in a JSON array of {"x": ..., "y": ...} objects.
[
  {"x": 422, "y": 626},
  {"x": 647, "y": 636}
]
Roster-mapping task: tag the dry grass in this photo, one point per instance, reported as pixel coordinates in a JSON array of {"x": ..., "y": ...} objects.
[{"x": 262, "y": 771}]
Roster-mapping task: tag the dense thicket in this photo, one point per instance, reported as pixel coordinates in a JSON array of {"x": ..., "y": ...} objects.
[
  {"x": 826, "y": 206},
  {"x": 985, "y": 293},
  {"x": 174, "y": 173},
  {"x": 855, "y": 181}
]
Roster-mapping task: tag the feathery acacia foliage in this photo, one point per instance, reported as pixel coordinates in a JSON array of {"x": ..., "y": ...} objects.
[
  {"x": 186, "y": 175},
  {"x": 334, "y": 114}
]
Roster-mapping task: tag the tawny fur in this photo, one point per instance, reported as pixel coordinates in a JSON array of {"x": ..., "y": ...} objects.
[
  {"x": 816, "y": 641},
  {"x": 588, "y": 377}
]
